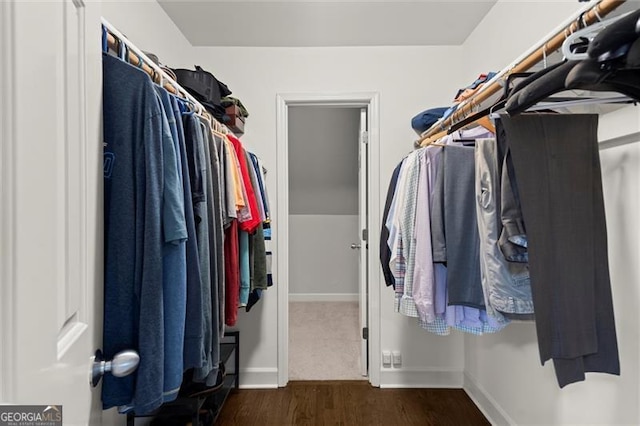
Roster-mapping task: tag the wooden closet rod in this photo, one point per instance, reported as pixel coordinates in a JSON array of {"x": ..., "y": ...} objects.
[
  {"x": 158, "y": 75},
  {"x": 549, "y": 46}
]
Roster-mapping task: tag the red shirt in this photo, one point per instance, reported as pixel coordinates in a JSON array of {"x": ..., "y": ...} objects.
[{"x": 251, "y": 224}]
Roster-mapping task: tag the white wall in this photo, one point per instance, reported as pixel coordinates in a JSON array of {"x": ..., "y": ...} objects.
[
  {"x": 323, "y": 160},
  {"x": 323, "y": 203},
  {"x": 147, "y": 25},
  {"x": 503, "y": 371},
  {"x": 321, "y": 261},
  {"x": 408, "y": 79},
  {"x": 510, "y": 28}
]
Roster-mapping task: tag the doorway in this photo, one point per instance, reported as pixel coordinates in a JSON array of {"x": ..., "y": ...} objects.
[
  {"x": 323, "y": 259},
  {"x": 325, "y": 144}
]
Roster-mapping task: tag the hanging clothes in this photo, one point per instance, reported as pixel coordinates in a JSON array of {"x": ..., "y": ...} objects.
[
  {"x": 258, "y": 275},
  {"x": 453, "y": 225},
  {"x": 208, "y": 371},
  {"x": 250, "y": 223},
  {"x": 557, "y": 166},
  {"x": 198, "y": 172},
  {"x": 513, "y": 238},
  {"x": 194, "y": 321},
  {"x": 177, "y": 198},
  {"x": 506, "y": 285},
  {"x": 216, "y": 222},
  {"x": 467, "y": 312},
  {"x": 174, "y": 260},
  {"x": 133, "y": 284},
  {"x": 406, "y": 223},
  {"x": 417, "y": 246},
  {"x": 385, "y": 250},
  {"x": 460, "y": 229},
  {"x": 257, "y": 250}
]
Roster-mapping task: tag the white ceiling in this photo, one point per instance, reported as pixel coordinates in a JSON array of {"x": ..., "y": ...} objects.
[{"x": 303, "y": 23}]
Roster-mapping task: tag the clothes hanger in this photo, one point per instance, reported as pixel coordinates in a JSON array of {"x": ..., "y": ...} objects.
[
  {"x": 624, "y": 30},
  {"x": 105, "y": 39},
  {"x": 433, "y": 139},
  {"x": 486, "y": 122},
  {"x": 551, "y": 107},
  {"x": 480, "y": 119},
  {"x": 491, "y": 111},
  {"x": 475, "y": 120},
  {"x": 540, "y": 88},
  {"x": 632, "y": 60},
  {"x": 438, "y": 144},
  {"x": 590, "y": 34},
  {"x": 545, "y": 82},
  {"x": 584, "y": 75},
  {"x": 122, "y": 50},
  {"x": 591, "y": 75},
  {"x": 457, "y": 136},
  {"x": 193, "y": 107},
  {"x": 218, "y": 129},
  {"x": 533, "y": 77},
  {"x": 205, "y": 117}
]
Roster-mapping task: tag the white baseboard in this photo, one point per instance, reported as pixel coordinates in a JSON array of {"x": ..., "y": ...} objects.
[
  {"x": 485, "y": 403},
  {"x": 324, "y": 297},
  {"x": 420, "y": 378},
  {"x": 259, "y": 378}
]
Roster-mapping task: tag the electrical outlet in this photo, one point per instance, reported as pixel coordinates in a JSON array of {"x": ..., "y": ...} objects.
[
  {"x": 386, "y": 358},
  {"x": 397, "y": 359}
]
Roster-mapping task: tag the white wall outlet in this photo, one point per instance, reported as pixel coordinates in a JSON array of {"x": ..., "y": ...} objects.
[
  {"x": 386, "y": 358},
  {"x": 397, "y": 358}
]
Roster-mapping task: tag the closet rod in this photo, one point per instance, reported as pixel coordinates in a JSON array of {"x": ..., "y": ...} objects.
[
  {"x": 158, "y": 75},
  {"x": 545, "y": 48}
]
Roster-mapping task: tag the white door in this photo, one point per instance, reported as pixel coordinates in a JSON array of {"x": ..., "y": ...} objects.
[
  {"x": 364, "y": 244},
  {"x": 51, "y": 212}
]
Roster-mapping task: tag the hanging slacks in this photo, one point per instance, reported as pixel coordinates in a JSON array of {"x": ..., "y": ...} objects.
[{"x": 557, "y": 167}]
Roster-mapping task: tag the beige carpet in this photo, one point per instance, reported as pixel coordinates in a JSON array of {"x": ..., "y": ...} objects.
[{"x": 324, "y": 341}]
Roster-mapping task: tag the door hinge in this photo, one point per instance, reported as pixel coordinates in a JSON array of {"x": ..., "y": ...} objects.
[
  {"x": 365, "y": 235},
  {"x": 365, "y": 333},
  {"x": 365, "y": 137}
]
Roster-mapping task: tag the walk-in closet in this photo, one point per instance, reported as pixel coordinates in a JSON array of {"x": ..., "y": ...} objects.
[{"x": 319, "y": 212}]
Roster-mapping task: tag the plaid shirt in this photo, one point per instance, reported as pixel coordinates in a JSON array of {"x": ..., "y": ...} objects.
[
  {"x": 399, "y": 274},
  {"x": 407, "y": 234}
]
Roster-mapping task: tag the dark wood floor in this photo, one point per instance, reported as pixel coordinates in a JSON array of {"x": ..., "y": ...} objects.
[{"x": 349, "y": 403}]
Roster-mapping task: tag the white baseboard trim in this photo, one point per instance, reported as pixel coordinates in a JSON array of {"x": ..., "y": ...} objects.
[
  {"x": 485, "y": 403},
  {"x": 259, "y": 378},
  {"x": 420, "y": 378},
  {"x": 324, "y": 297}
]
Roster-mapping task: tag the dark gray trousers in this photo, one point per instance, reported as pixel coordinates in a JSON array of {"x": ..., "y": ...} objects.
[
  {"x": 464, "y": 282},
  {"x": 557, "y": 167}
]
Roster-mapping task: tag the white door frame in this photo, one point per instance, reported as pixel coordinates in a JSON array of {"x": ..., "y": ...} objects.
[
  {"x": 369, "y": 100},
  {"x": 7, "y": 200},
  {"x": 363, "y": 241}
]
